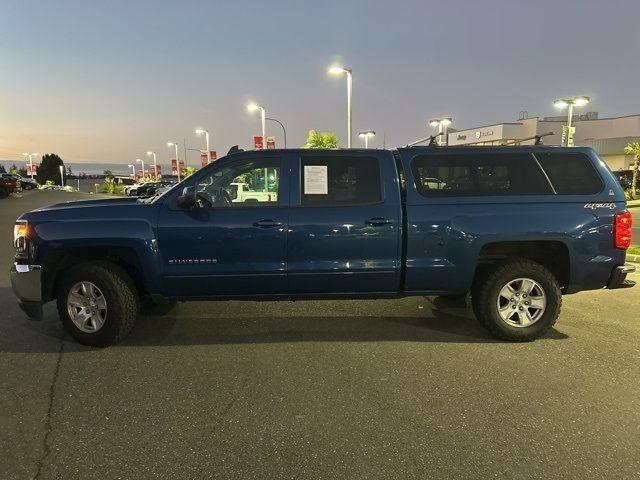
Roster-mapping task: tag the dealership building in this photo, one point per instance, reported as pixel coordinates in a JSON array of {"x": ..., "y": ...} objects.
[{"x": 607, "y": 136}]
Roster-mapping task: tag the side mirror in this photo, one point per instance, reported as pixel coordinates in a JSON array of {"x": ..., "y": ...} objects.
[{"x": 187, "y": 200}]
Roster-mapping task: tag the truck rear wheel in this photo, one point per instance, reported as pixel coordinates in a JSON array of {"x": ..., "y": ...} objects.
[
  {"x": 517, "y": 301},
  {"x": 97, "y": 303}
]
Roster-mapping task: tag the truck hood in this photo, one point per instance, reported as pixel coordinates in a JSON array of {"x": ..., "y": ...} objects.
[{"x": 102, "y": 202}]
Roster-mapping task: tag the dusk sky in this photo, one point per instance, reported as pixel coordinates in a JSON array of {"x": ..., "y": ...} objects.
[{"x": 107, "y": 81}]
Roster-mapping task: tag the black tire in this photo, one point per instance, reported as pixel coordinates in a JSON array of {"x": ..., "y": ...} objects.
[
  {"x": 119, "y": 293},
  {"x": 152, "y": 309},
  {"x": 3, "y": 193},
  {"x": 486, "y": 293}
]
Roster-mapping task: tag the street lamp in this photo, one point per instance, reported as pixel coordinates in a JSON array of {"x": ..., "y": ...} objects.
[
  {"x": 569, "y": 103},
  {"x": 139, "y": 160},
  {"x": 133, "y": 170},
  {"x": 441, "y": 124},
  {"x": 337, "y": 70},
  {"x": 200, "y": 131},
  {"x": 175, "y": 145},
  {"x": 252, "y": 107},
  {"x": 367, "y": 135},
  {"x": 30, "y": 155},
  {"x": 155, "y": 166}
]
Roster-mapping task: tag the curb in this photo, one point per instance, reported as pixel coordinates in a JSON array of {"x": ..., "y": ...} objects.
[{"x": 633, "y": 258}]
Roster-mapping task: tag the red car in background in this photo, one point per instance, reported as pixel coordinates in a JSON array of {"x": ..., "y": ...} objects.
[{"x": 8, "y": 185}]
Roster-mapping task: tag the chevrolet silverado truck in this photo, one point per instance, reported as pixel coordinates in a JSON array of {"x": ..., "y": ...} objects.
[{"x": 513, "y": 229}]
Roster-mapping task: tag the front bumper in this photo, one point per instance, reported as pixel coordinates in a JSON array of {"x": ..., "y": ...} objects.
[
  {"x": 618, "y": 277},
  {"x": 26, "y": 281}
]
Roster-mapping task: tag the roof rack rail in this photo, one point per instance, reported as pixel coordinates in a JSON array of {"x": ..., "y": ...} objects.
[
  {"x": 432, "y": 140},
  {"x": 537, "y": 138}
]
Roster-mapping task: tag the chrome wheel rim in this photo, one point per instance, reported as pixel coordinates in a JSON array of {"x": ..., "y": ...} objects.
[
  {"x": 521, "y": 302},
  {"x": 87, "y": 307}
]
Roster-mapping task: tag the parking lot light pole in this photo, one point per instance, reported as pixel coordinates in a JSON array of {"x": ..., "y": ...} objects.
[
  {"x": 367, "y": 135},
  {"x": 569, "y": 103},
  {"x": 252, "y": 107},
  {"x": 139, "y": 160},
  {"x": 175, "y": 145},
  {"x": 133, "y": 170},
  {"x": 30, "y": 155},
  {"x": 200, "y": 131},
  {"x": 441, "y": 124},
  {"x": 155, "y": 166},
  {"x": 337, "y": 70}
]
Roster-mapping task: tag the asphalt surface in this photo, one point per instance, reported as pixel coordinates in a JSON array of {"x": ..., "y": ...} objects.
[{"x": 354, "y": 389}]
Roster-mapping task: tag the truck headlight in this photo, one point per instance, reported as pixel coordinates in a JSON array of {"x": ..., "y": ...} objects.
[{"x": 20, "y": 236}]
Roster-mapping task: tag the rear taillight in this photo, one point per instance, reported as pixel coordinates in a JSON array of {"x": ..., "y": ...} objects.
[{"x": 622, "y": 230}]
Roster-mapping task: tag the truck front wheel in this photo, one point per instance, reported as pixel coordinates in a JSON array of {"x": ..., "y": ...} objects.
[
  {"x": 517, "y": 301},
  {"x": 97, "y": 303}
]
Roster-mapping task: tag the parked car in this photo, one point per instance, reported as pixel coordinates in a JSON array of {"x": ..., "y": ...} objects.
[
  {"x": 150, "y": 189},
  {"x": 8, "y": 185},
  {"x": 516, "y": 227},
  {"x": 26, "y": 183},
  {"x": 134, "y": 190}
]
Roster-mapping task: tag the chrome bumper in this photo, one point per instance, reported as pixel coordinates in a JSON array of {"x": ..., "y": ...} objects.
[{"x": 26, "y": 281}]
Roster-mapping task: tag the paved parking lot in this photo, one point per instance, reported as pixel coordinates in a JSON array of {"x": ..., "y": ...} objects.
[{"x": 355, "y": 389}]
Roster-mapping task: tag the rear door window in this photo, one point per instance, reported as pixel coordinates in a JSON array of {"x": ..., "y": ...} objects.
[
  {"x": 478, "y": 174},
  {"x": 339, "y": 181},
  {"x": 571, "y": 173}
]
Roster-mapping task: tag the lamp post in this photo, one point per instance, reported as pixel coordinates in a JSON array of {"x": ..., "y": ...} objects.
[
  {"x": 133, "y": 170},
  {"x": 441, "y": 124},
  {"x": 30, "y": 155},
  {"x": 200, "y": 131},
  {"x": 155, "y": 166},
  {"x": 139, "y": 160},
  {"x": 175, "y": 145},
  {"x": 337, "y": 70},
  {"x": 62, "y": 175},
  {"x": 569, "y": 103},
  {"x": 284, "y": 131},
  {"x": 367, "y": 135},
  {"x": 252, "y": 107}
]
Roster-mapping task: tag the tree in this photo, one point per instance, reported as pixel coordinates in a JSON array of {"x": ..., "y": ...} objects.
[
  {"x": 108, "y": 174},
  {"x": 322, "y": 140},
  {"x": 2, "y": 169},
  {"x": 633, "y": 148},
  {"x": 188, "y": 171},
  {"x": 49, "y": 169},
  {"x": 14, "y": 169},
  {"x": 69, "y": 173}
]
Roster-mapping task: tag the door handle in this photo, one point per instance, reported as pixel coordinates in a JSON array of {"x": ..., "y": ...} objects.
[
  {"x": 377, "y": 221},
  {"x": 267, "y": 224}
]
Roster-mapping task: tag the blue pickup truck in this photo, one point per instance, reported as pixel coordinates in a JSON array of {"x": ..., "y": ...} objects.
[{"x": 514, "y": 227}]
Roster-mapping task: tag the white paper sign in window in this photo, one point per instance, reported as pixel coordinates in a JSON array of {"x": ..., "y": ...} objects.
[{"x": 315, "y": 180}]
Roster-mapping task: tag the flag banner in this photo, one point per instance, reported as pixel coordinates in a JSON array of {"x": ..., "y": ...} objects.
[
  {"x": 258, "y": 142},
  {"x": 271, "y": 143},
  {"x": 174, "y": 166},
  {"x": 203, "y": 159}
]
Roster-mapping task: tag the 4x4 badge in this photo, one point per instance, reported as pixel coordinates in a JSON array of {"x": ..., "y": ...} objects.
[{"x": 595, "y": 206}]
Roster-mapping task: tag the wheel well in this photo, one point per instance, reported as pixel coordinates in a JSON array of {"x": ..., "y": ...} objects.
[
  {"x": 552, "y": 255},
  {"x": 58, "y": 260}
]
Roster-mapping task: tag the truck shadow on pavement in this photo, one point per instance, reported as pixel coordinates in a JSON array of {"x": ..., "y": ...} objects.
[
  {"x": 448, "y": 324},
  {"x": 441, "y": 327}
]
